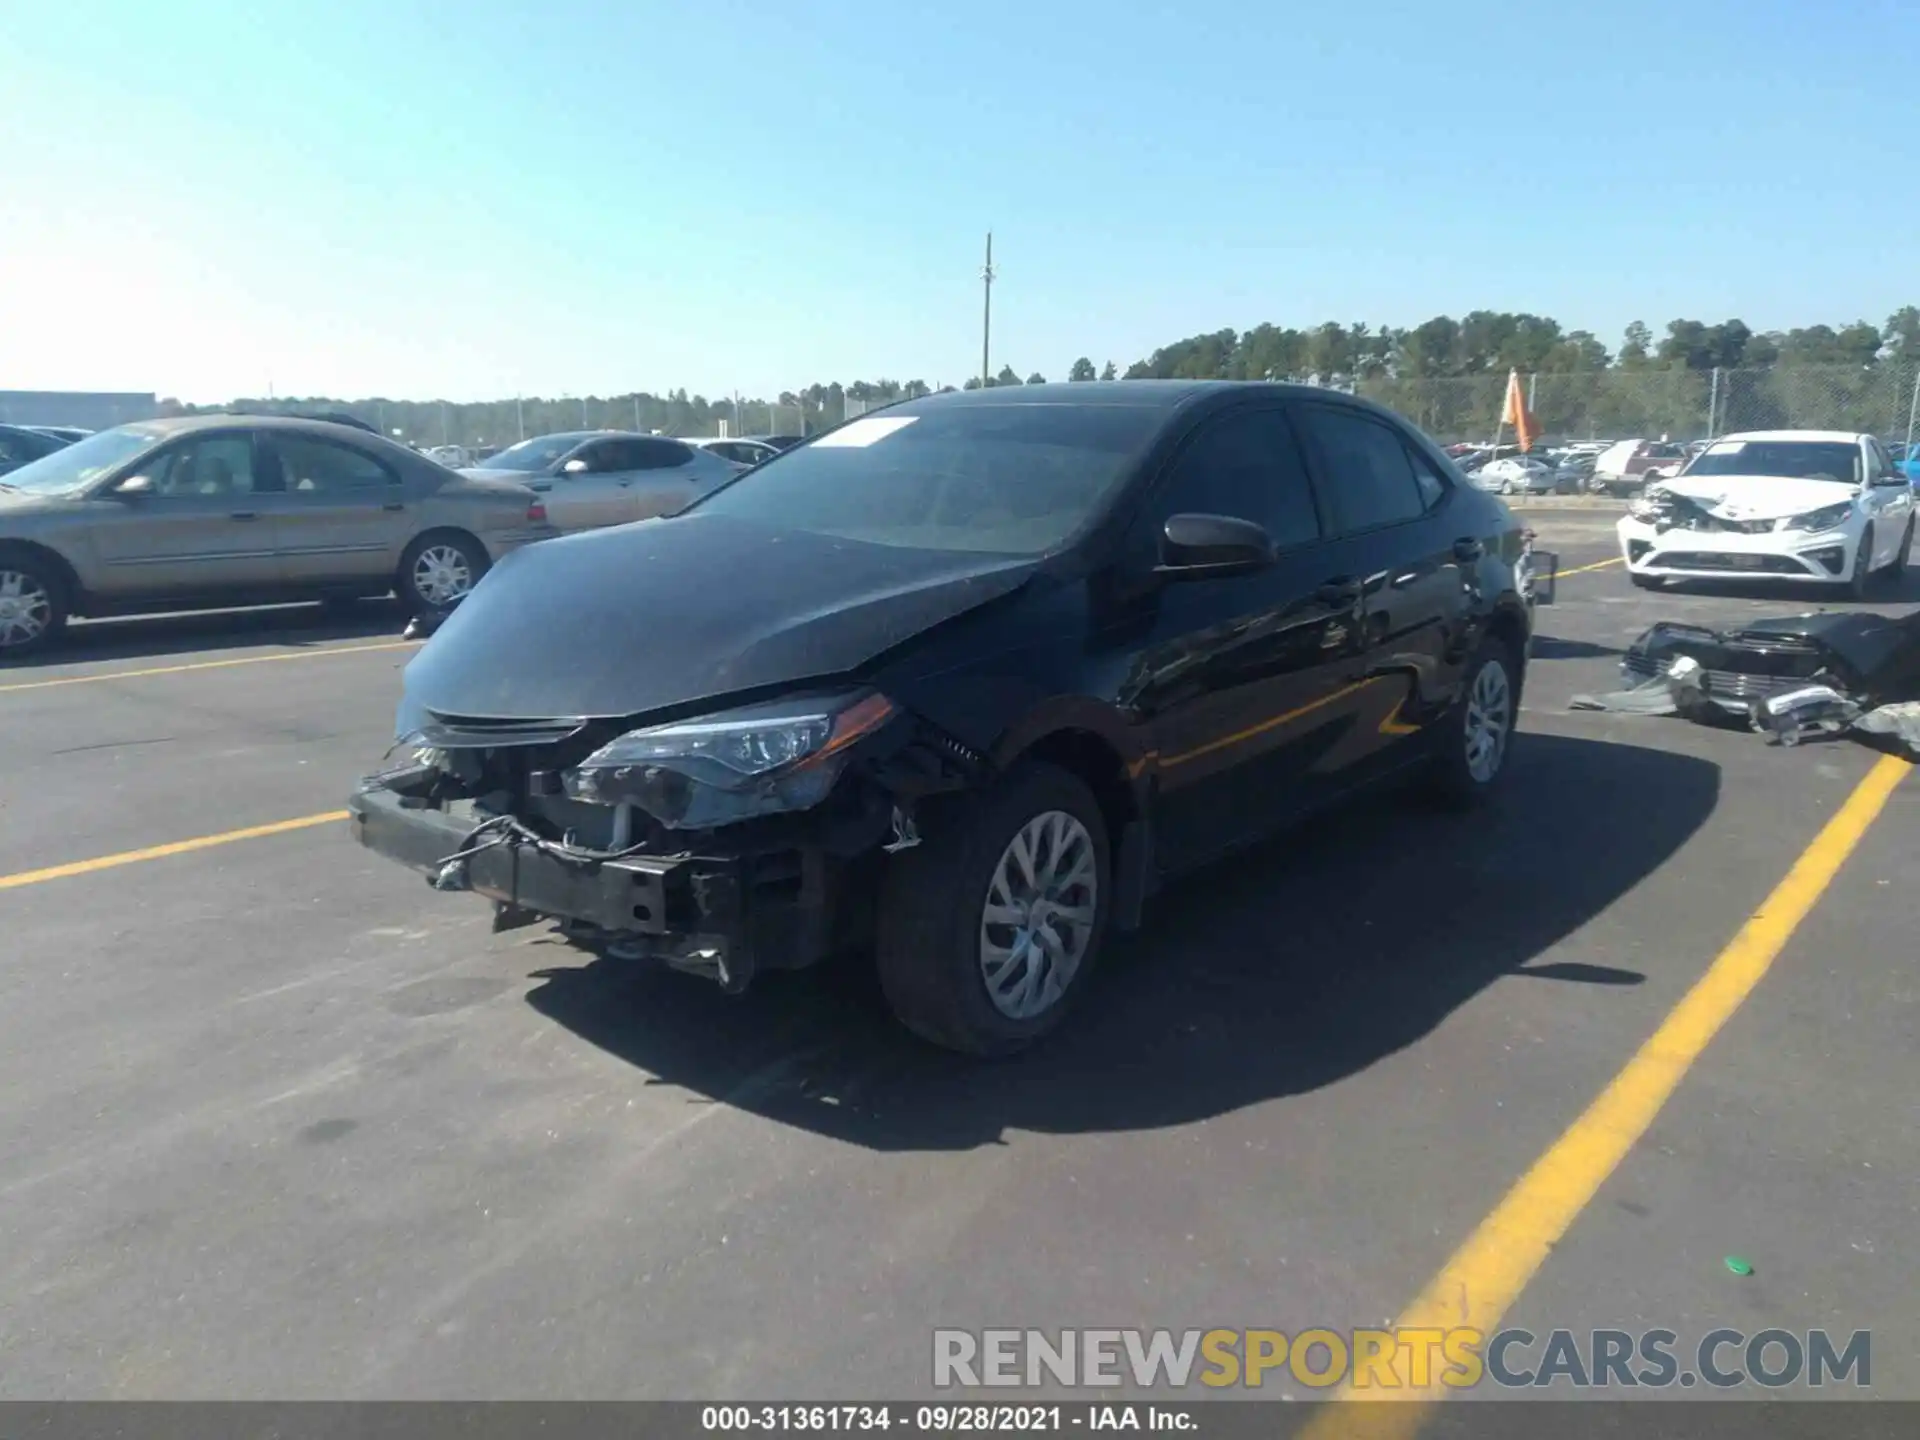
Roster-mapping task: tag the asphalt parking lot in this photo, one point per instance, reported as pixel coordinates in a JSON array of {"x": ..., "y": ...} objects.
[{"x": 278, "y": 1121}]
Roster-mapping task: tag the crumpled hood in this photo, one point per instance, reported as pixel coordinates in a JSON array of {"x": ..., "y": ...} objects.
[
  {"x": 1756, "y": 497},
  {"x": 623, "y": 621}
]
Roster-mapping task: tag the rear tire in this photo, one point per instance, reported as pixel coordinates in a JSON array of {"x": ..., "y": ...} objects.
[
  {"x": 440, "y": 570},
  {"x": 957, "y": 914},
  {"x": 33, "y": 604},
  {"x": 1476, "y": 736}
]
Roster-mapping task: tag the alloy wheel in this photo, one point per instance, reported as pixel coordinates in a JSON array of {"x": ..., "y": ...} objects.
[
  {"x": 26, "y": 609},
  {"x": 442, "y": 575},
  {"x": 1489, "y": 721},
  {"x": 1038, "y": 918}
]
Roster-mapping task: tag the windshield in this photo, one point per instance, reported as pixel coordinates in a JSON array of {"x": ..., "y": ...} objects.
[
  {"x": 539, "y": 453},
  {"x": 999, "y": 479},
  {"x": 1799, "y": 459},
  {"x": 74, "y": 465}
]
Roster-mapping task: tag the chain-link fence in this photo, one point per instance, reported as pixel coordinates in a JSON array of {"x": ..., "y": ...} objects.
[{"x": 1616, "y": 404}]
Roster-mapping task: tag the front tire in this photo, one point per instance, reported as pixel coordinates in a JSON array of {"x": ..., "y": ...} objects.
[
  {"x": 1898, "y": 566},
  {"x": 1477, "y": 736},
  {"x": 1644, "y": 582},
  {"x": 1862, "y": 576},
  {"x": 440, "y": 570},
  {"x": 990, "y": 927},
  {"x": 33, "y": 605}
]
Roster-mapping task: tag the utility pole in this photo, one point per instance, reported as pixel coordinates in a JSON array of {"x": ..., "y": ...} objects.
[
  {"x": 636, "y": 413},
  {"x": 986, "y": 316},
  {"x": 583, "y": 414},
  {"x": 520, "y": 415}
]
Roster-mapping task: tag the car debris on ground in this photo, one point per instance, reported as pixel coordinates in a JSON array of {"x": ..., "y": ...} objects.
[{"x": 1790, "y": 678}]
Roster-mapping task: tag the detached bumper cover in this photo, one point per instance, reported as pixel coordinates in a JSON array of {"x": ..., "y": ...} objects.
[{"x": 1870, "y": 658}]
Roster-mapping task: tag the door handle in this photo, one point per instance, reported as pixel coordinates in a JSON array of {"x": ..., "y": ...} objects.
[
  {"x": 1338, "y": 592},
  {"x": 542, "y": 486},
  {"x": 1468, "y": 548},
  {"x": 244, "y": 515},
  {"x": 393, "y": 505}
]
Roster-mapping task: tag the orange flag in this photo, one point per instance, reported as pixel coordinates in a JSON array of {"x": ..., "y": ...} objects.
[{"x": 1515, "y": 413}]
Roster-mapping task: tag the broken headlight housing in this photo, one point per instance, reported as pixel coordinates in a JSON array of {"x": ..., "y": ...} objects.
[
  {"x": 1647, "y": 505},
  {"x": 1825, "y": 518},
  {"x": 718, "y": 769}
]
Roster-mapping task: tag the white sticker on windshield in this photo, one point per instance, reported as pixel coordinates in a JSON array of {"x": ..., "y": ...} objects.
[{"x": 861, "y": 433}]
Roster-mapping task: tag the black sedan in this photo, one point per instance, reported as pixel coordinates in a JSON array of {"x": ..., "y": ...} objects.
[
  {"x": 960, "y": 685},
  {"x": 21, "y": 445}
]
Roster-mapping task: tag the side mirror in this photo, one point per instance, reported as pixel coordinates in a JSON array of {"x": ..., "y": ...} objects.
[
  {"x": 134, "y": 485},
  {"x": 574, "y": 467},
  {"x": 1206, "y": 547}
]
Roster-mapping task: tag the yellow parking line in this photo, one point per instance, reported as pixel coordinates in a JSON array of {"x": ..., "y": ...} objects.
[
  {"x": 1583, "y": 569},
  {"x": 161, "y": 852},
  {"x": 1486, "y": 1275},
  {"x": 208, "y": 665}
]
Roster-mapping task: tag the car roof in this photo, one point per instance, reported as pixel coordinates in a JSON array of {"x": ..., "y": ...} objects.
[
  {"x": 1163, "y": 395},
  {"x": 581, "y": 436},
  {"x": 1155, "y": 394},
  {"x": 1832, "y": 437},
  {"x": 224, "y": 420}
]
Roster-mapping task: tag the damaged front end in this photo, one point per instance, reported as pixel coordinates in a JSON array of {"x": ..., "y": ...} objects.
[
  {"x": 720, "y": 844},
  {"x": 1789, "y": 678},
  {"x": 1868, "y": 658}
]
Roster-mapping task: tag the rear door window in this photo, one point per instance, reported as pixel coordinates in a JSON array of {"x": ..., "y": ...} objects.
[
  {"x": 653, "y": 453},
  {"x": 308, "y": 466}
]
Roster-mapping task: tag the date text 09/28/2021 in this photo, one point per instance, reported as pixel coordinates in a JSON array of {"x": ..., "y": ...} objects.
[{"x": 946, "y": 1419}]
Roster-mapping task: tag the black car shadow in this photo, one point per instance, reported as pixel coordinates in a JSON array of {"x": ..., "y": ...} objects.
[
  {"x": 142, "y": 637},
  {"x": 1550, "y": 647},
  {"x": 1283, "y": 971}
]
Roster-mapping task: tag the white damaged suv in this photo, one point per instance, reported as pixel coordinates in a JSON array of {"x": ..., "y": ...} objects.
[{"x": 1816, "y": 505}]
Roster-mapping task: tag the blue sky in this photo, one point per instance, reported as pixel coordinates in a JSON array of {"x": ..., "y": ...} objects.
[{"x": 469, "y": 201}]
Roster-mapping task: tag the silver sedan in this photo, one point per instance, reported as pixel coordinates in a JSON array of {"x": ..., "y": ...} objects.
[
  {"x": 591, "y": 478},
  {"x": 219, "y": 510}
]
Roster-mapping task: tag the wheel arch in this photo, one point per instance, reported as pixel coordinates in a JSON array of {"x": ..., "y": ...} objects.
[
  {"x": 73, "y": 593},
  {"x": 1510, "y": 625},
  {"x": 446, "y": 532},
  {"x": 1088, "y": 740}
]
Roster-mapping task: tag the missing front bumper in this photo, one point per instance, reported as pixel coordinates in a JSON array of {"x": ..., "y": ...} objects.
[{"x": 723, "y": 916}]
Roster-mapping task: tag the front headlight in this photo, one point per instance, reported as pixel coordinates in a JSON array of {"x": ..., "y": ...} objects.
[
  {"x": 718, "y": 769},
  {"x": 1823, "y": 519},
  {"x": 1644, "y": 507}
]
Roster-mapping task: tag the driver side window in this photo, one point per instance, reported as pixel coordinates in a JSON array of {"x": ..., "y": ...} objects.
[
  {"x": 1884, "y": 471},
  {"x": 1245, "y": 465},
  {"x": 599, "y": 457},
  {"x": 218, "y": 465}
]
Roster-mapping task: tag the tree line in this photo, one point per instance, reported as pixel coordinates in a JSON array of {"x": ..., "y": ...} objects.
[{"x": 1439, "y": 372}]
